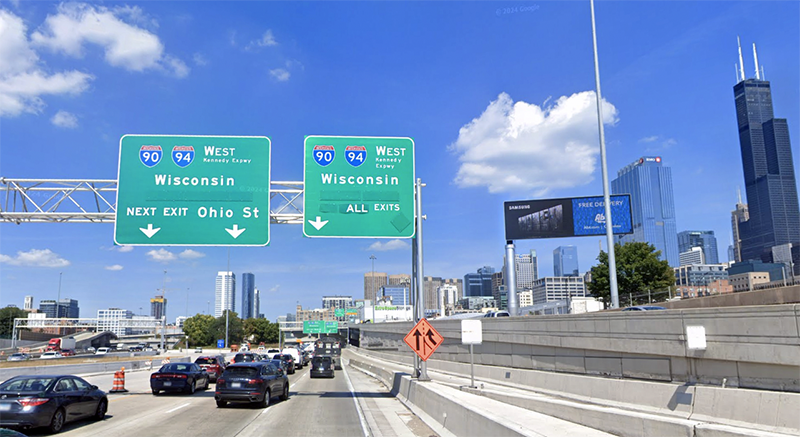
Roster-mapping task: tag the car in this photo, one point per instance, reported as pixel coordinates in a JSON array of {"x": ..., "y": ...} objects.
[
  {"x": 251, "y": 382},
  {"x": 280, "y": 364},
  {"x": 198, "y": 350},
  {"x": 644, "y": 308},
  {"x": 497, "y": 314},
  {"x": 246, "y": 357},
  {"x": 271, "y": 352},
  {"x": 91, "y": 350},
  {"x": 322, "y": 366},
  {"x": 102, "y": 351},
  {"x": 33, "y": 401},
  {"x": 19, "y": 356},
  {"x": 186, "y": 377},
  {"x": 214, "y": 365},
  {"x": 68, "y": 352},
  {"x": 51, "y": 355},
  {"x": 136, "y": 348},
  {"x": 298, "y": 361},
  {"x": 288, "y": 359}
]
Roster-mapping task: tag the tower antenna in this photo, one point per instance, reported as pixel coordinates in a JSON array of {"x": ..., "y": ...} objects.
[
  {"x": 741, "y": 62},
  {"x": 739, "y": 194},
  {"x": 755, "y": 58}
]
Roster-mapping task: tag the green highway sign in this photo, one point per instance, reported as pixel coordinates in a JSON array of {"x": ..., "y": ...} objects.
[
  {"x": 359, "y": 187},
  {"x": 320, "y": 327},
  {"x": 193, "y": 191},
  {"x": 339, "y": 312}
]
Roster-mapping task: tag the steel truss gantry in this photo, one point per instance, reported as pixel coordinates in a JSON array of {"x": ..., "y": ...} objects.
[{"x": 94, "y": 201}]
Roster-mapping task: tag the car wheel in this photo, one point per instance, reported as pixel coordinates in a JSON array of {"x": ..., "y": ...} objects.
[
  {"x": 285, "y": 395},
  {"x": 205, "y": 387},
  {"x": 265, "y": 402},
  {"x": 193, "y": 387},
  {"x": 57, "y": 422},
  {"x": 222, "y": 404},
  {"x": 155, "y": 392},
  {"x": 102, "y": 407}
]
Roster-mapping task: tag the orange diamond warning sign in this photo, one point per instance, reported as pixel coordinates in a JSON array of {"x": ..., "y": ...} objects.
[{"x": 423, "y": 339}]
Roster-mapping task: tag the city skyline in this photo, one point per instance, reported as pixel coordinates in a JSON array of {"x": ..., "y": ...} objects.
[{"x": 501, "y": 108}]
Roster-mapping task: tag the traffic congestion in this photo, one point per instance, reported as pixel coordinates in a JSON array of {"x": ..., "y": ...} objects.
[{"x": 245, "y": 379}]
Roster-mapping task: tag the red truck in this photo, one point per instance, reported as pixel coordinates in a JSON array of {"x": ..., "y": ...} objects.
[{"x": 59, "y": 344}]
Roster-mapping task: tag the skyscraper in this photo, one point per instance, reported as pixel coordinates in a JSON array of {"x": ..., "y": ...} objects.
[
  {"x": 28, "y": 303},
  {"x": 224, "y": 293},
  {"x": 705, "y": 240},
  {"x": 248, "y": 296},
  {"x": 372, "y": 284},
  {"x": 158, "y": 306},
  {"x": 257, "y": 303},
  {"x": 67, "y": 308},
  {"x": 527, "y": 270},
  {"x": 565, "y": 261},
  {"x": 769, "y": 176},
  {"x": 480, "y": 283},
  {"x": 652, "y": 205},
  {"x": 738, "y": 216}
]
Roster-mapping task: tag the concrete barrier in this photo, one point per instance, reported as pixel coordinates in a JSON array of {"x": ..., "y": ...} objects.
[
  {"x": 77, "y": 369},
  {"x": 749, "y": 347}
]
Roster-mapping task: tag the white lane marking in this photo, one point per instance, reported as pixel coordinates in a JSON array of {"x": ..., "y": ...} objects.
[
  {"x": 361, "y": 417},
  {"x": 177, "y": 408}
]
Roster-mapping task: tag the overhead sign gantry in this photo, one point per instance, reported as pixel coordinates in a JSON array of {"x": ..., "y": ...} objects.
[{"x": 193, "y": 191}]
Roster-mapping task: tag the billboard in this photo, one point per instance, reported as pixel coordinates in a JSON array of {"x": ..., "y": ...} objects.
[{"x": 568, "y": 217}]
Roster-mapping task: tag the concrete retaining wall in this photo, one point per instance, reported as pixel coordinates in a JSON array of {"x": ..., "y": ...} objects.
[
  {"x": 772, "y": 296},
  {"x": 77, "y": 369},
  {"x": 752, "y": 347}
]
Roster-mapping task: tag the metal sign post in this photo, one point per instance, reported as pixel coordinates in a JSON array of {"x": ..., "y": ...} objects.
[
  {"x": 471, "y": 334},
  {"x": 423, "y": 366}
]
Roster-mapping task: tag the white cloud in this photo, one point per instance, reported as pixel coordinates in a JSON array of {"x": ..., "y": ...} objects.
[
  {"x": 127, "y": 46},
  {"x": 114, "y": 268},
  {"x": 658, "y": 143},
  {"x": 161, "y": 255},
  {"x": 191, "y": 254},
  {"x": 521, "y": 147},
  {"x": 35, "y": 258},
  {"x": 199, "y": 59},
  {"x": 125, "y": 249},
  {"x": 22, "y": 81},
  {"x": 275, "y": 288},
  {"x": 649, "y": 139},
  {"x": 65, "y": 119},
  {"x": 379, "y": 246},
  {"x": 266, "y": 40},
  {"x": 280, "y": 74}
]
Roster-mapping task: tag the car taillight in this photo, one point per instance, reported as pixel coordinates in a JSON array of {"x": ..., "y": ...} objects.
[
  {"x": 180, "y": 376},
  {"x": 31, "y": 402},
  {"x": 220, "y": 381},
  {"x": 255, "y": 381}
]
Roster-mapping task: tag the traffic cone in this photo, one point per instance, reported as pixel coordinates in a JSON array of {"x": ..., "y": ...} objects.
[{"x": 119, "y": 382}]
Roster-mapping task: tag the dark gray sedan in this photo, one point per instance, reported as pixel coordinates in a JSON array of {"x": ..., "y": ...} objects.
[{"x": 33, "y": 401}]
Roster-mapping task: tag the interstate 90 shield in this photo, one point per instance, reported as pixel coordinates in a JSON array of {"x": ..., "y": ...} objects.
[
  {"x": 323, "y": 155},
  {"x": 355, "y": 155},
  {"x": 150, "y": 155},
  {"x": 182, "y": 156}
]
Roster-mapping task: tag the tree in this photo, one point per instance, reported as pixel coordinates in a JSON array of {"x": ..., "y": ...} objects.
[
  {"x": 235, "y": 327},
  {"x": 261, "y": 330},
  {"x": 198, "y": 328},
  {"x": 639, "y": 272},
  {"x": 7, "y": 316}
]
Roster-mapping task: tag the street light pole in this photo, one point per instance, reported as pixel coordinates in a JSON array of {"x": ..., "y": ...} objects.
[
  {"x": 58, "y": 300},
  {"x": 164, "y": 313}
]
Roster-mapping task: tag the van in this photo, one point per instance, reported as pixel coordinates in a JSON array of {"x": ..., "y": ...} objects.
[
  {"x": 102, "y": 351},
  {"x": 295, "y": 354}
]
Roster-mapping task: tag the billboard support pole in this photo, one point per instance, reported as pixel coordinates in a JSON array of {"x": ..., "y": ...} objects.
[
  {"x": 511, "y": 281},
  {"x": 415, "y": 296},
  {"x": 612, "y": 262}
]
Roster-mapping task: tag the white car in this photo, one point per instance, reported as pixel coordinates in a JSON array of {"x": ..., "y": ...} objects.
[
  {"x": 271, "y": 352},
  {"x": 102, "y": 351},
  {"x": 51, "y": 355}
]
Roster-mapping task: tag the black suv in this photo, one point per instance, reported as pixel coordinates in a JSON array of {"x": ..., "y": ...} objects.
[
  {"x": 246, "y": 357},
  {"x": 251, "y": 382}
]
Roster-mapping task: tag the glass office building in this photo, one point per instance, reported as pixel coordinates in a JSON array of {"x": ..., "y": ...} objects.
[
  {"x": 224, "y": 293},
  {"x": 248, "y": 296},
  {"x": 769, "y": 176},
  {"x": 652, "y": 205},
  {"x": 565, "y": 261},
  {"x": 705, "y": 240},
  {"x": 479, "y": 284}
]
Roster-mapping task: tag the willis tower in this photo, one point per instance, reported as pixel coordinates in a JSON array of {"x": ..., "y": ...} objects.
[{"x": 768, "y": 170}]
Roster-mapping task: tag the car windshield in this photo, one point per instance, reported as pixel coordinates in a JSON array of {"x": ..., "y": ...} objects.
[
  {"x": 26, "y": 384},
  {"x": 240, "y": 372},
  {"x": 176, "y": 367},
  {"x": 206, "y": 360}
]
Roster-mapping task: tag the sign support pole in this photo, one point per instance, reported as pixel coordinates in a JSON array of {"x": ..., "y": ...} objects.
[
  {"x": 471, "y": 368},
  {"x": 423, "y": 367},
  {"x": 511, "y": 281},
  {"x": 414, "y": 295}
]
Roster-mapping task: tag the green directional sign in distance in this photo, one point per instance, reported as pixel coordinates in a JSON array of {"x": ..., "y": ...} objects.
[
  {"x": 193, "y": 191},
  {"x": 339, "y": 312},
  {"x": 359, "y": 187}
]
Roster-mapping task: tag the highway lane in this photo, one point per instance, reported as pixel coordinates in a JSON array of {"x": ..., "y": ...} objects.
[{"x": 315, "y": 407}]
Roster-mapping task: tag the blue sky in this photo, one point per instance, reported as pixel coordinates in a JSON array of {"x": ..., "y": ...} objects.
[{"x": 498, "y": 97}]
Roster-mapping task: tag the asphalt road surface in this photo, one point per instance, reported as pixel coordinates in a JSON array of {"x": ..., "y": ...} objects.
[{"x": 351, "y": 404}]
